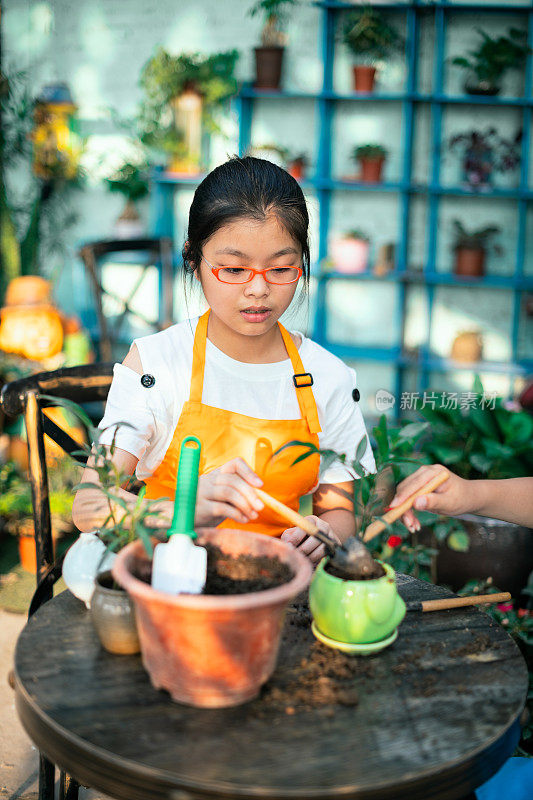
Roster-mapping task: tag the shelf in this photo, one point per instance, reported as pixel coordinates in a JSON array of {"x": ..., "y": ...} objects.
[
  {"x": 430, "y": 5},
  {"x": 435, "y": 279},
  {"x": 249, "y": 92},
  {"x": 431, "y": 363}
]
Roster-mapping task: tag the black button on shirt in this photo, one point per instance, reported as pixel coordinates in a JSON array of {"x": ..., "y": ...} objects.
[
  {"x": 147, "y": 381},
  {"x": 356, "y": 394}
]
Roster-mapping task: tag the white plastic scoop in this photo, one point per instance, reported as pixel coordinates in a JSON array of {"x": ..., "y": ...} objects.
[{"x": 179, "y": 565}]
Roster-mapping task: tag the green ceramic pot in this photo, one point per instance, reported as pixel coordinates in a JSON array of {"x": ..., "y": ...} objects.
[{"x": 357, "y": 612}]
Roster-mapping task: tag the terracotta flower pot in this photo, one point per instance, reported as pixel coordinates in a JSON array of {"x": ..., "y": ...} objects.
[
  {"x": 268, "y": 66},
  {"x": 470, "y": 262},
  {"x": 206, "y": 650},
  {"x": 371, "y": 169},
  {"x": 363, "y": 78},
  {"x": 26, "y": 548}
]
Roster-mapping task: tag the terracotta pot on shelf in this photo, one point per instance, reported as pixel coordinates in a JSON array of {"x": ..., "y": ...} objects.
[
  {"x": 268, "y": 66},
  {"x": 467, "y": 347},
  {"x": 371, "y": 170},
  {"x": 470, "y": 262},
  {"x": 212, "y": 650},
  {"x": 364, "y": 78}
]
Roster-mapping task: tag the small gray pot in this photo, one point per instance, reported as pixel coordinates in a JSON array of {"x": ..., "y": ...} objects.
[{"x": 113, "y": 617}]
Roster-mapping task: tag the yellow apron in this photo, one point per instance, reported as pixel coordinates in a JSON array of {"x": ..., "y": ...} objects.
[{"x": 226, "y": 435}]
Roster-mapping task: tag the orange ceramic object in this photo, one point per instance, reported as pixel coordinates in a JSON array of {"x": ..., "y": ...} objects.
[
  {"x": 35, "y": 332},
  {"x": 206, "y": 650},
  {"x": 27, "y": 552},
  {"x": 28, "y": 290}
]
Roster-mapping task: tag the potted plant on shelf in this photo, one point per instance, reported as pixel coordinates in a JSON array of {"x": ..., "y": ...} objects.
[
  {"x": 482, "y": 439},
  {"x": 130, "y": 180},
  {"x": 470, "y": 249},
  {"x": 182, "y": 96},
  {"x": 297, "y": 166},
  {"x": 493, "y": 57},
  {"x": 370, "y": 39},
  {"x": 269, "y": 56},
  {"x": 483, "y": 153},
  {"x": 349, "y": 253},
  {"x": 371, "y": 158}
]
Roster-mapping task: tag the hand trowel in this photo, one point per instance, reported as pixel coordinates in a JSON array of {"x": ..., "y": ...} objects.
[{"x": 180, "y": 565}]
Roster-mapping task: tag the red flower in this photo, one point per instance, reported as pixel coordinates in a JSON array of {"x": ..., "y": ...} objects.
[
  {"x": 394, "y": 541},
  {"x": 505, "y": 607}
]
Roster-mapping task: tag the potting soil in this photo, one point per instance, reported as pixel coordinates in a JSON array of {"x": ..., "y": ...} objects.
[{"x": 244, "y": 573}]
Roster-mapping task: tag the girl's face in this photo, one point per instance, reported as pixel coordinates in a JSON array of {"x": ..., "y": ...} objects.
[{"x": 251, "y": 308}]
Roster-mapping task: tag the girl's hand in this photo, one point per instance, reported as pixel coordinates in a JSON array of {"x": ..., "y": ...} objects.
[
  {"x": 227, "y": 492},
  {"x": 312, "y": 548},
  {"x": 454, "y": 496}
]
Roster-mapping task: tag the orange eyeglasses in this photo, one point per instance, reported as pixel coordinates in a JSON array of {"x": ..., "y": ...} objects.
[{"x": 275, "y": 275}]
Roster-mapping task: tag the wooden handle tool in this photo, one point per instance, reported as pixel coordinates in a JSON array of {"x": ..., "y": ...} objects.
[
  {"x": 287, "y": 513},
  {"x": 457, "y": 602},
  {"x": 395, "y": 513}
]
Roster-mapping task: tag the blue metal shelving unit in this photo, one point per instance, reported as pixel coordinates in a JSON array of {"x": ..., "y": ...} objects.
[{"x": 324, "y": 184}]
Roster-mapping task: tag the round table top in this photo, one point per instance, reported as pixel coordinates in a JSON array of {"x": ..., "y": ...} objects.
[{"x": 437, "y": 715}]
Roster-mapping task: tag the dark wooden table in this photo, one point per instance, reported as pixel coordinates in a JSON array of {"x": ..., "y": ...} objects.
[{"x": 438, "y": 714}]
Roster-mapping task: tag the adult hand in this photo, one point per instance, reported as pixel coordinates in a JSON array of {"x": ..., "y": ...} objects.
[
  {"x": 312, "y": 548},
  {"x": 226, "y": 492},
  {"x": 452, "y": 497}
]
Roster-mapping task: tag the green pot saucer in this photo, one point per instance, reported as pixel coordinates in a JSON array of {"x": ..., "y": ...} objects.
[{"x": 355, "y": 649}]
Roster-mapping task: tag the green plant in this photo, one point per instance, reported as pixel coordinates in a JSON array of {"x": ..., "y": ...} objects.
[
  {"x": 396, "y": 455},
  {"x": 475, "y": 240},
  {"x": 131, "y": 180},
  {"x": 164, "y": 77},
  {"x": 369, "y": 36},
  {"x": 482, "y": 439},
  {"x": 124, "y": 522},
  {"x": 16, "y": 504},
  {"x": 275, "y": 14},
  {"x": 357, "y": 234},
  {"x": 372, "y": 152},
  {"x": 493, "y": 57},
  {"x": 33, "y": 219}
]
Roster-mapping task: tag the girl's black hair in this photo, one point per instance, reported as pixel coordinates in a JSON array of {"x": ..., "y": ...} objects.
[{"x": 244, "y": 188}]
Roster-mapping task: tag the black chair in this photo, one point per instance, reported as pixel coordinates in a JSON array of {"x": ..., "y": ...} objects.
[
  {"x": 83, "y": 385},
  {"x": 157, "y": 252}
]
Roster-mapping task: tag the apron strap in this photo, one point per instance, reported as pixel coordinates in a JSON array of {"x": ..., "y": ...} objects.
[
  {"x": 198, "y": 359},
  {"x": 304, "y": 394}
]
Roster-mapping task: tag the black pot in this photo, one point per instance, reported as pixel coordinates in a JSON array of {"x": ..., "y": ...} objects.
[
  {"x": 500, "y": 550},
  {"x": 268, "y": 65},
  {"x": 483, "y": 88}
]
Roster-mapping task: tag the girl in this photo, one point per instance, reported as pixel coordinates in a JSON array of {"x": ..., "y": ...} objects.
[{"x": 235, "y": 377}]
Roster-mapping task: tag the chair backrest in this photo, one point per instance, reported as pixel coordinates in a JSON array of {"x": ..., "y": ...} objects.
[
  {"x": 159, "y": 253},
  {"x": 82, "y": 385}
]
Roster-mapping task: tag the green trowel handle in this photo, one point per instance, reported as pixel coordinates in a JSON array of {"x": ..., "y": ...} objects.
[{"x": 186, "y": 488}]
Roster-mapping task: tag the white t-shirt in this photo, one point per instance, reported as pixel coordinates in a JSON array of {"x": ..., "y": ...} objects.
[{"x": 263, "y": 391}]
